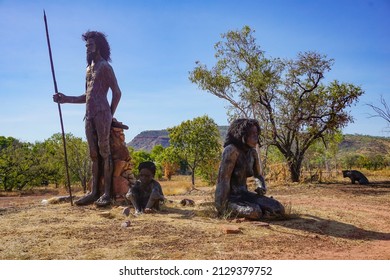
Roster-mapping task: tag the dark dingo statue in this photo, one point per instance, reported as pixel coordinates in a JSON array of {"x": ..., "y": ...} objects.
[{"x": 355, "y": 175}]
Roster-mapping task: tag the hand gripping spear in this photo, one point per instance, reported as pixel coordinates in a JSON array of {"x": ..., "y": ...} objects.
[{"x": 59, "y": 108}]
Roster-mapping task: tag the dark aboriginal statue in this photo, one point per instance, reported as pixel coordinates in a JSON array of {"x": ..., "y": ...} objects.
[
  {"x": 146, "y": 194},
  {"x": 240, "y": 160},
  {"x": 100, "y": 78}
]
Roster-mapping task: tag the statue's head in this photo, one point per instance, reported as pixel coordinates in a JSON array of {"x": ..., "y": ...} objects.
[
  {"x": 101, "y": 43},
  {"x": 147, "y": 165},
  {"x": 346, "y": 173},
  {"x": 240, "y": 130},
  {"x": 147, "y": 170}
]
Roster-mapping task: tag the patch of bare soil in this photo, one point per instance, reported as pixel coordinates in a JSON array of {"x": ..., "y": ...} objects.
[{"x": 324, "y": 221}]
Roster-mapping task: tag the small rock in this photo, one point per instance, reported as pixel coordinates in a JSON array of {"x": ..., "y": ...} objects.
[
  {"x": 126, "y": 211},
  {"x": 56, "y": 199},
  {"x": 260, "y": 224},
  {"x": 126, "y": 224},
  {"x": 106, "y": 214},
  {"x": 239, "y": 220},
  {"x": 228, "y": 229}
]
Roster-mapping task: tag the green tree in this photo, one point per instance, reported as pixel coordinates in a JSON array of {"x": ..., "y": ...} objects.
[
  {"x": 209, "y": 170},
  {"x": 197, "y": 142},
  {"x": 287, "y": 96},
  {"x": 156, "y": 154},
  {"x": 5, "y": 157},
  {"x": 15, "y": 164},
  {"x": 26, "y": 164},
  {"x": 169, "y": 161},
  {"x": 138, "y": 157},
  {"x": 6, "y": 142},
  {"x": 349, "y": 160},
  {"x": 78, "y": 159},
  {"x": 46, "y": 168},
  {"x": 322, "y": 154},
  {"x": 51, "y": 160},
  {"x": 376, "y": 162}
]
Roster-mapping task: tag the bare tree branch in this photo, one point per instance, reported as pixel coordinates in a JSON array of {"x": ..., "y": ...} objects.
[{"x": 383, "y": 113}]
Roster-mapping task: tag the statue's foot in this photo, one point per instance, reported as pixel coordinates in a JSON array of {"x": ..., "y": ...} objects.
[
  {"x": 271, "y": 206},
  {"x": 85, "y": 200},
  {"x": 104, "y": 200},
  {"x": 128, "y": 196},
  {"x": 260, "y": 191}
]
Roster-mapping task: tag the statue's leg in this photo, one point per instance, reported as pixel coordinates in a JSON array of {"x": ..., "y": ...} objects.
[
  {"x": 105, "y": 199},
  {"x": 133, "y": 196},
  {"x": 270, "y": 206},
  {"x": 93, "y": 151},
  {"x": 154, "y": 200},
  {"x": 247, "y": 210},
  {"x": 103, "y": 128}
]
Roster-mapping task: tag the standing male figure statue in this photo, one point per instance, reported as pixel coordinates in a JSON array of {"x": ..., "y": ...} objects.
[{"x": 99, "y": 114}]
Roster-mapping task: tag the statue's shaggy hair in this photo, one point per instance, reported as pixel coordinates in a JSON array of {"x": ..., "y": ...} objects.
[
  {"x": 147, "y": 165},
  {"x": 101, "y": 43},
  {"x": 238, "y": 130}
]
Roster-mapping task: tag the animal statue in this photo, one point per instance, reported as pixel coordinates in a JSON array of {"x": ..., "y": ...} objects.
[
  {"x": 187, "y": 202},
  {"x": 355, "y": 175}
]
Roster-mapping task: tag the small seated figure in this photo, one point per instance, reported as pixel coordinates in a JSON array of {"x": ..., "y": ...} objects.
[
  {"x": 355, "y": 175},
  {"x": 147, "y": 193},
  {"x": 240, "y": 161}
]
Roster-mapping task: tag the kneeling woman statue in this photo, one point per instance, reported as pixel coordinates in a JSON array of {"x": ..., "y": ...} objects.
[{"x": 240, "y": 160}]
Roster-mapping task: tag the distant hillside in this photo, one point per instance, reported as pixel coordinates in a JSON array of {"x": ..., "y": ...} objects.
[
  {"x": 355, "y": 144},
  {"x": 365, "y": 145},
  {"x": 146, "y": 140}
]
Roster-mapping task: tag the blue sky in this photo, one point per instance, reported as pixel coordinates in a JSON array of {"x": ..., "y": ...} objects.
[{"x": 155, "y": 44}]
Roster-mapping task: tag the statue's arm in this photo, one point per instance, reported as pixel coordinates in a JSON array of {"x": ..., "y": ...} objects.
[
  {"x": 62, "y": 98},
  {"x": 158, "y": 189},
  {"x": 116, "y": 92},
  {"x": 261, "y": 186},
  {"x": 222, "y": 192}
]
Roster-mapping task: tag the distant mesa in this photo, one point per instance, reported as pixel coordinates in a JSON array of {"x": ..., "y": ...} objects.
[
  {"x": 146, "y": 140},
  {"x": 351, "y": 144}
]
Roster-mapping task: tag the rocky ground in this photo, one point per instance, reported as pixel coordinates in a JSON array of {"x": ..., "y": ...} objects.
[{"x": 324, "y": 221}]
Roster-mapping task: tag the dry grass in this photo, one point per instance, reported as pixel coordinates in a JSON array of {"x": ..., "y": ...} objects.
[
  {"x": 177, "y": 185},
  {"x": 324, "y": 221}
]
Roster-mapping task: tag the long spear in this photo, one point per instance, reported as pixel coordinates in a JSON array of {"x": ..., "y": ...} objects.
[{"x": 59, "y": 108}]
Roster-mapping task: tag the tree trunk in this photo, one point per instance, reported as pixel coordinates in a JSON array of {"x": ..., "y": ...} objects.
[
  {"x": 84, "y": 184},
  {"x": 6, "y": 188},
  {"x": 295, "y": 170},
  {"x": 193, "y": 180}
]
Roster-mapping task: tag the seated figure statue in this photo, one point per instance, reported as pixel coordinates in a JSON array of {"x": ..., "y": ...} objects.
[
  {"x": 147, "y": 193},
  {"x": 240, "y": 160}
]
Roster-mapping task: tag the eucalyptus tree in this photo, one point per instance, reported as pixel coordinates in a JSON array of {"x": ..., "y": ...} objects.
[
  {"x": 197, "y": 142},
  {"x": 16, "y": 160},
  {"x": 290, "y": 97}
]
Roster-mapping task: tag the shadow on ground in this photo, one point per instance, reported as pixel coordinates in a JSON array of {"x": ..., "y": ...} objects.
[{"x": 333, "y": 228}]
